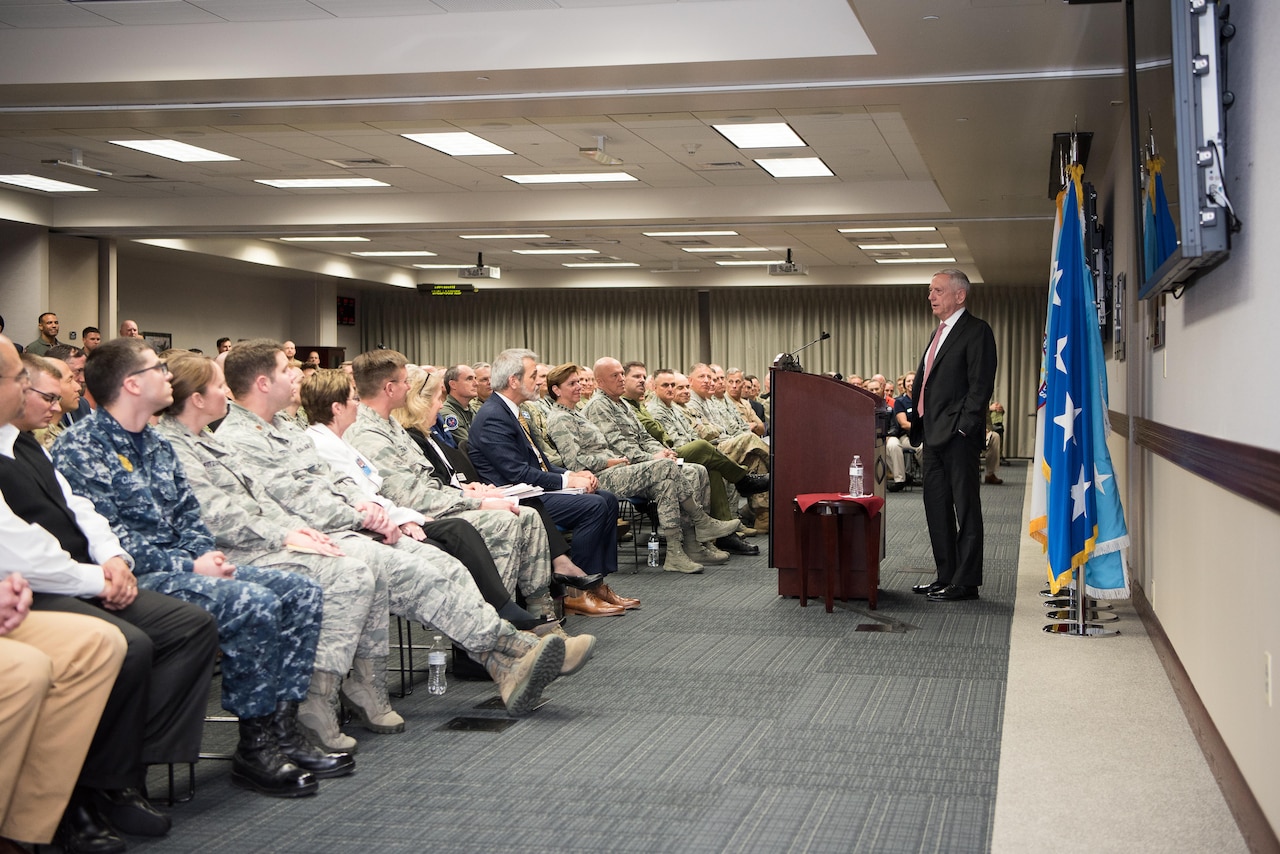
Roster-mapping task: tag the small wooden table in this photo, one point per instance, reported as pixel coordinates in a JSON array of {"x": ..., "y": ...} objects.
[{"x": 832, "y": 509}]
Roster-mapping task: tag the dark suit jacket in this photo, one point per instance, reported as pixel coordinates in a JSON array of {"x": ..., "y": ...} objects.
[
  {"x": 500, "y": 451},
  {"x": 959, "y": 390}
]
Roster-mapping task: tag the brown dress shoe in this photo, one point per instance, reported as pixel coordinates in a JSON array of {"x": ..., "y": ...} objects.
[
  {"x": 604, "y": 592},
  {"x": 589, "y": 606},
  {"x": 992, "y": 479}
]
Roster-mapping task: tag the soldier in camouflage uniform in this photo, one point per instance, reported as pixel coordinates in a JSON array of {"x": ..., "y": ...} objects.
[
  {"x": 679, "y": 430},
  {"x": 736, "y": 441},
  {"x": 660, "y": 480},
  {"x": 613, "y": 413},
  {"x": 281, "y": 466},
  {"x": 456, "y": 414},
  {"x": 268, "y": 620}
]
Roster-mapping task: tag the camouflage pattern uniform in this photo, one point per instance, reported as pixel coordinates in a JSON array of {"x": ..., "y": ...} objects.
[
  {"x": 268, "y": 620},
  {"x": 536, "y": 412},
  {"x": 456, "y": 419},
  {"x": 585, "y": 447},
  {"x": 739, "y": 444},
  {"x": 518, "y": 543},
  {"x": 622, "y": 430},
  {"x": 424, "y": 583},
  {"x": 721, "y": 471}
]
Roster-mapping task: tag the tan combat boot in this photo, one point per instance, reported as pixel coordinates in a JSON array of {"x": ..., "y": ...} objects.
[
  {"x": 577, "y": 650},
  {"x": 522, "y": 665},
  {"x": 318, "y": 714},
  {"x": 364, "y": 692},
  {"x": 677, "y": 560}
]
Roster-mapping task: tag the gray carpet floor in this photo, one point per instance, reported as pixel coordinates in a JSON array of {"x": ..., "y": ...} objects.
[{"x": 719, "y": 717}]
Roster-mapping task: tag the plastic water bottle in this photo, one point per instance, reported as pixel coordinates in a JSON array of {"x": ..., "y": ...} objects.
[
  {"x": 855, "y": 476},
  {"x": 436, "y": 659},
  {"x": 652, "y": 549}
]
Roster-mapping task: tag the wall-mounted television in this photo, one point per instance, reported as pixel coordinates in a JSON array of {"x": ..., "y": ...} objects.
[{"x": 1181, "y": 140}]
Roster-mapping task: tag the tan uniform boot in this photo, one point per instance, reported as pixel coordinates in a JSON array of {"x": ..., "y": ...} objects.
[
  {"x": 364, "y": 692},
  {"x": 318, "y": 714},
  {"x": 522, "y": 665},
  {"x": 677, "y": 560},
  {"x": 577, "y": 650}
]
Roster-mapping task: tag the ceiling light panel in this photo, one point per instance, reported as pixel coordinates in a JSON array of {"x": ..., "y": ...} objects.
[
  {"x": 944, "y": 260},
  {"x": 765, "y": 135},
  {"x": 886, "y": 229},
  {"x": 320, "y": 183},
  {"x": 572, "y": 178},
  {"x": 173, "y": 150},
  {"x": 689, "y": 233},
  {"x": 748, "y": 263},
  {"x": 503, "y": 236},
  {"x": 457, "y": 144},
  {"x": 48, "y": 185},
  {"x": 555, "y": 251},
  {"x": 725, "y": 249},
  {"x": 326, "y": 239},
  {"x": 878, "y": 246},
  {"x": 795, "y": 167},
  {"x": 601, "y": 265},
  {"x": 399, "y": 253}
]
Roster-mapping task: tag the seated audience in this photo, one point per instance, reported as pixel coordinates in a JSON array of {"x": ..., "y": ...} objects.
[
  {"x": 74, "y": 563},
  {"x": 899, "y": 438},
  {"x": 460, "y": 388},
  {"x": 268, "y": 620},
  {"x": 483, "y": 386},
  {"x": 421, "y": 582},
  {"x": 129, "y": 329}
]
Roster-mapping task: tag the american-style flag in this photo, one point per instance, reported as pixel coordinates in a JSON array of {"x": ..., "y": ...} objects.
[{"x": 1075, "y": 506}]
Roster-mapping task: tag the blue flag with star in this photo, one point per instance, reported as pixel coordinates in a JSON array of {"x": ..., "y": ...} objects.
[{"x": 1083, "y": 524}]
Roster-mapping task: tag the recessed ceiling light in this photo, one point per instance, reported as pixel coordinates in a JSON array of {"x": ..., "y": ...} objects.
[
  {"x": 795, "y": 167},
  {"x": 502, "y": 236},
  {"x": 405, "y": 253},
  {"x": 902, "y": 246},
  {"x": 319, "y": 183},
  {"x": 173, "y": 150},
  {"x": 35, "y": 182},
  {"x": 915, "y": 260},
  {"x": 769, "y": 135},
  {"x": 555, "y": 251},
  {"x": 689, "y": 233},
  {"x": 571, "y": 178},
  {"x": 602, "y": 264},
  {"x": 457, "y": 144},
  {"x": 886, "y": 229},
  {"x": 748, "y": 263},
  {"x": 714, "y": 249},
  {"x": 325, "y": 239},
  {"x": 441, "y": 266}
]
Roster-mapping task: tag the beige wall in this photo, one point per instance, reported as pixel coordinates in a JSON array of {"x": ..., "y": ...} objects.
[{"x": 73, "y": 284}]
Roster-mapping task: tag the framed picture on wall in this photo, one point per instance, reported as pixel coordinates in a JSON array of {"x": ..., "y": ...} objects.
[{"x": 159, "y": 341}]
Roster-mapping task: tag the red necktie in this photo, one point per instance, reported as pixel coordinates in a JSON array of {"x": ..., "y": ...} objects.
[{"x": 928, "y": 365}]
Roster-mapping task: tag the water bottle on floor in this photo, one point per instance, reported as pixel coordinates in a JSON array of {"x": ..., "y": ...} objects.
[
  {"x": 436, "y": 682},
  {"x": 652, "y": 549}
]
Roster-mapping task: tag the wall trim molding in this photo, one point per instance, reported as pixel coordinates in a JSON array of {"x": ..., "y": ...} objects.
[
  {"x": 1252, "y": 821},
  {"x": 1119, "y": 423},
  {"x": 1245, "y": 470}
]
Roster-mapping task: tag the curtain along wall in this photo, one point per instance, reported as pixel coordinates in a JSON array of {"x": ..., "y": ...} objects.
[{"x": 873, "y": 330}]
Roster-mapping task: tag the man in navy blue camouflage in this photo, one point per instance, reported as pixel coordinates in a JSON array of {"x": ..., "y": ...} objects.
[{"x": 268, "y": 620}]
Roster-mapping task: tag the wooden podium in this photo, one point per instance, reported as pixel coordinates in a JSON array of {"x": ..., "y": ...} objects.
[{"x": 817, "y": 425}]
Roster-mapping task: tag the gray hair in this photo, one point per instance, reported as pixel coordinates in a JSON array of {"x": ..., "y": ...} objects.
[
  {"x": 478, "y": 365},
  {"x": 959, "y": 280},
  {"x": 508, "y": 364}
]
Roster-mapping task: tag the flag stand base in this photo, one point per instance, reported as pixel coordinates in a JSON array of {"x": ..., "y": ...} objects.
[
  {"x": 1070, "y": 602},
  {"x": 1092, "y": 616},
  {"x": 1076, "y": 630}
]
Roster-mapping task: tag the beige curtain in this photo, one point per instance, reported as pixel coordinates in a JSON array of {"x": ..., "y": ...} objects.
[
  {"x": 656, "y": 326},
  {"x": 873, "y": 330}
]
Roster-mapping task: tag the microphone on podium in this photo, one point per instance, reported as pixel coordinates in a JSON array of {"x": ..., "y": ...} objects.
[{"x": 789, "y": 362}]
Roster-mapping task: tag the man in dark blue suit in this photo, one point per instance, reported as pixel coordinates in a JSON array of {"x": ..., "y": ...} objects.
[
  {"x": 953, "y": 387},
  {"x": 504, "y": 451}
]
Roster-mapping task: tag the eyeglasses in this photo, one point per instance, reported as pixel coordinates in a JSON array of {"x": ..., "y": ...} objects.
[
  {"x": 159, "y": 367},
  {"x": 22, "y": 377},
  {"x": 48, "y": 397}
]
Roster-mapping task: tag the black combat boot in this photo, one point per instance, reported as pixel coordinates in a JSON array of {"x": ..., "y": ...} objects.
[
  {"x": 298, "y": 748},
  {"x": 259, "y": 765}
]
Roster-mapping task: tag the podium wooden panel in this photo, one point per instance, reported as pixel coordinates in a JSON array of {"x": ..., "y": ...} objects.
[{"x": 817, "y": 425}]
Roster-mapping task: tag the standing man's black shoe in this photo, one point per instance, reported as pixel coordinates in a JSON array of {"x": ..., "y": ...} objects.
[
  {"x": 734, "y": 545},
  {"x": 954, "y": 593},
  {"x": 83, "y": 831},
  {"x": 129, "y": 812},
  {"x": 931, "y": 587},
  {"x": 752, "y": 484}
]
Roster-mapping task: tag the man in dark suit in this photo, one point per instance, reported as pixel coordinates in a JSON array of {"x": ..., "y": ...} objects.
[
  {"x": 504, "y": 451},
  {"x": 954, "y": 384}
]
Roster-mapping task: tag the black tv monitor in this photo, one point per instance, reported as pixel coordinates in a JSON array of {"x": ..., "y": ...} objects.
[{"x": 1180, "y": 113}]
